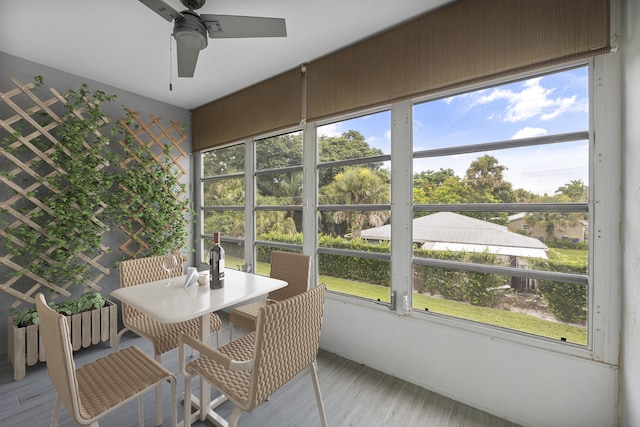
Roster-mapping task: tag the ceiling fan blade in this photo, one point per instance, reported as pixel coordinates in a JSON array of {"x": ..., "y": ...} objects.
[
  {"x": 162, "y": 9},
  {"x": 187, "y": 58},
  {"x": 231, "y": 26}
]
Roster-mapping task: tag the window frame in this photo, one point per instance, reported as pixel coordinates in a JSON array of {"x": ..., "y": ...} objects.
[
  {"x": 604, "y": 212},
  {"x": 603, "y": 216},
  {"x": 255, "y": 173},
  {"x": 199, "y": 179},
  {"x": 317, "y": 166}
]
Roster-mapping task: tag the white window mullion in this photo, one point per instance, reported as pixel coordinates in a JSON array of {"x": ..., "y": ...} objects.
[
  {"x": 250, "y": 202},
  {"x": 310, "y": 197},
  {"x": 605, "y": 213},
  {"x": 401, "y": 200},
  {"x": 198, "y": 202}
]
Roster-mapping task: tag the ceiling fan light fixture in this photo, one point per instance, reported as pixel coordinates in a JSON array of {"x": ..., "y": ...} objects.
[
  {"x": 193, "y": 4},
  {"x": 189, "y": 31}
]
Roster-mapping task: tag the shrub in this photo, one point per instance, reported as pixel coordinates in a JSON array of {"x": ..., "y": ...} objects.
[
  {"x": 84, "y": 302},
  {"x": 476, "y": 288},
  {"x": 567, "y": 301}
]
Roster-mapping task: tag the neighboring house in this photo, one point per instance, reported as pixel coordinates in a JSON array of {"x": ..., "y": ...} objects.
[
  {"x": 444, "y": 231},
  {"x": 576, "y": 232},
  {"x": 454, "y": 232}
]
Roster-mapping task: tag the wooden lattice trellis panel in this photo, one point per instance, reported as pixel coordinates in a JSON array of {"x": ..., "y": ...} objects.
[
  {"x": 163, "y": 144},
  {"x": 23, "y": 182}
]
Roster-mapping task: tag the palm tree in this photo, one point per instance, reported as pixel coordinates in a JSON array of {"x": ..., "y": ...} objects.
[
  {"x": 290, "y": 193},
  {"x": 485, "y": 171},
  {"x": 358, "y": 186},
  {"x": 575, "y": 190}
]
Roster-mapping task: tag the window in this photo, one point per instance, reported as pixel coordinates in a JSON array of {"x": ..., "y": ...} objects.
[
  {"x": 278, "y": 183},
  {"x": 223, "y": 202},
  {"x": 501, "y": 205},
  {"x": 354, "y": 196},
  {"x": 500, "y": 198}
]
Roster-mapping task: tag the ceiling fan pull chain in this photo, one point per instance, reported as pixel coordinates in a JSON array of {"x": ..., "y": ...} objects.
[{"x": 170, "y": 56}]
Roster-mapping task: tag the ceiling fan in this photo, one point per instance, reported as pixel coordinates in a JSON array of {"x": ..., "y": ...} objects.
[{"x": 190, "y": 29}]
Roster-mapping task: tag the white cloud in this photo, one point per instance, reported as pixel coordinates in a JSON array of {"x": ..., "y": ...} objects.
[
  {"x": 529, "y": 132},
  {"x": 532, "y": 101},
  {"x": 566, "y": 104},
  {"x": 330, "y": 130}
]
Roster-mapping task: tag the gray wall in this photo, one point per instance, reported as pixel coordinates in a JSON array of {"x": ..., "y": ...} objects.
[{"x": 25, "y": 71}]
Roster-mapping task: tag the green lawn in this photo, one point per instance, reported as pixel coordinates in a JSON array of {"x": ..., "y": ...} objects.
[
  {"x": 568, "y": 254},
  {"x": 492, "y": 316}
]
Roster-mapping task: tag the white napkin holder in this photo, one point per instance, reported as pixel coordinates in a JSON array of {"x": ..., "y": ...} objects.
[{"x": 192, "y": 277}]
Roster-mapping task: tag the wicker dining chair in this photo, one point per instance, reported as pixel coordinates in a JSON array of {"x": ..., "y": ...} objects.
[
  {"x": 101, "y": 386},
  {"x": 291, "y": 267},
  {"x": 163, "y": 336},
  {"x": 250, "y": 369}
]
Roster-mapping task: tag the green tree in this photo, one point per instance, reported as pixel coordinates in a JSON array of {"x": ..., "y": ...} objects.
[
  {"x": 455, "y": 190},
  {"x": 575, "y": 190},
  {"x": 279, "y": 151},
  {"x": 223, "y": 161},
  {"x": 357, "y": 186},
  {"x": 523, "y": 196},
  {"x": 278, "y": 222},
  {"x": 289, "y": 192},
  {"x": 485, "y": 171},
  {"x": 552, "y": 220},
  {"x": 276, "y": 153},
  {"x": 425, "y": 182},
  {"x": 350, "y": 145}
]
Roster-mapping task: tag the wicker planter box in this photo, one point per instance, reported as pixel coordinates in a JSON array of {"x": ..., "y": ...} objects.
[{"x": 91, "y": 327}]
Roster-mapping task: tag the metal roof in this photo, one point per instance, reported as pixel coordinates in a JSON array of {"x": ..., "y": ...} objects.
[{"x": 451, "y": 231}]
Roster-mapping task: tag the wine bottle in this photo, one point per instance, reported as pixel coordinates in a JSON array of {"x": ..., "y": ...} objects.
[{"x": 216, "y": 260}]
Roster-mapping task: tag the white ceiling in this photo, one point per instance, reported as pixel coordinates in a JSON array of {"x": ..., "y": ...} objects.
[{"x": 125, "y": 44}]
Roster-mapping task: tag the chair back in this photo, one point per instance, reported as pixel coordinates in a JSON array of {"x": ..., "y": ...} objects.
[
  {"x": 54, "y": 331},
  {"x": 287, "y": 341},
  {"x": 292, "y": 268},
  {"x": 142, "y": 270}
]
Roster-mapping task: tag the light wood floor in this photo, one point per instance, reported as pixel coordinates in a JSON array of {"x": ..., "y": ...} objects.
[{"x": 354, "y": 395}]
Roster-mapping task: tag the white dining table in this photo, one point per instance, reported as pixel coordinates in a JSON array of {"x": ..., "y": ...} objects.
[{"x": 177, "y": 303}]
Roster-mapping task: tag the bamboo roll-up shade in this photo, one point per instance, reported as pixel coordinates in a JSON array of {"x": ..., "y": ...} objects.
[
  {"x": 465, "y": 42},
  {"x": 264, "y": 107}
]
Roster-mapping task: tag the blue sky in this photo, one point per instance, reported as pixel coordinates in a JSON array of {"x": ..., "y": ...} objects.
[{"x": 545, "y": 105}]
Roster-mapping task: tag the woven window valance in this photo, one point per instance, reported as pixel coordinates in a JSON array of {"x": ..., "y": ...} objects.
[
  {"x": 273, "y": 104},
  {"x": 464, "y": 42}
]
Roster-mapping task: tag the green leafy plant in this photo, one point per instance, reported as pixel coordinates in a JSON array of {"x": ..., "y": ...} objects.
[
  {"x": 567, "y": 301},
  {"x": 70, "y": 224},
  {"x": 81, "y": 194},
  {"x": 151, "y": 197},
  {"x": 85, "y": 302}
]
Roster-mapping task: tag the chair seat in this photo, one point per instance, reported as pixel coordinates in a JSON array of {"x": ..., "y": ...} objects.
[
  {"x": 245, "y": 316},
  {"x": 233, "y": 384},
  {"x": 101, "y": 386},
  {"x": 166, "y": 336},
  {"x": 113, "y": 379},
  {"x": 249, "y": 370}
]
